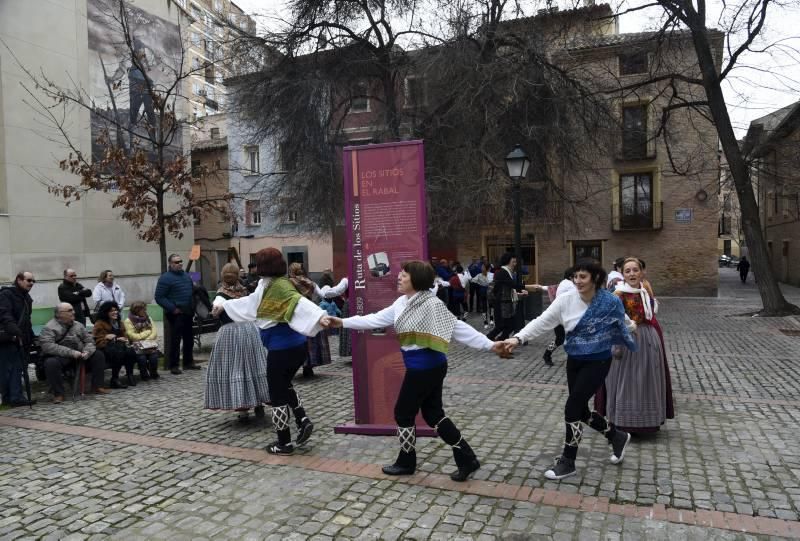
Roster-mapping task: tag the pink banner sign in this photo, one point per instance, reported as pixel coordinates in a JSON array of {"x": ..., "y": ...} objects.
[{"x": 386, "y": 225}]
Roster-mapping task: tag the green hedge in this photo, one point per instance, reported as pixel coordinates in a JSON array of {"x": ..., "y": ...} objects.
[{"x": 41, "y": 316}]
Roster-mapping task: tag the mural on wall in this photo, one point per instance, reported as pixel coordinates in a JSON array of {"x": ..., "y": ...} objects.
[{"x": 120, "y": 88}]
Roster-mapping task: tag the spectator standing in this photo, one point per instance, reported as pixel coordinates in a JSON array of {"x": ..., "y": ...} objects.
[
  {"x": 456, "y": 299},
  {"x": 107, "y": 291},
  {"x": 474, "y": 269},
  {"x": 480, "y": 284},
  {"x": 109, "y": 337},
  {"x": 506, "y": 297},
  {"x": 174, "y": 295},
  {"x": 73, "y": 292},
  {"x": 743, "y": 267},
  {"x": 65, "y": 342},
  {"x": 142, "y": 334},
  {"x": 16, "y": 305},
  {"x": 615, "y": 276}
]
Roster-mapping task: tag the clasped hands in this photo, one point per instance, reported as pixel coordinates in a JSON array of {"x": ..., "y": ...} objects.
[
  {"x": 504, "y": 348},
  {"x": 330, "y": 322}
]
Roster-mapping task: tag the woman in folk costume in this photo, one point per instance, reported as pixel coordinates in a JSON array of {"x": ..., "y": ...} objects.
[
  {"x": 285, "y": 319},
  {"x": 594, "y": 320},
  {"x": 236, "y": 379},
  {"x": 319, "y": 351},
  {"x": 425, "y": 328},
  {"x": 637, "y": 395}
]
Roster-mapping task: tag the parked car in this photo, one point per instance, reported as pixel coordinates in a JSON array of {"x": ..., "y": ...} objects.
[{"x": 724, "y": 260}]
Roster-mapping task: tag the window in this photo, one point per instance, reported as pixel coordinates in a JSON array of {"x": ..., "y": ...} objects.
[
  {"x": 252, "y": 210},
  {"x": 253, "y": 161},
  {"x": 587, "y": 249},
  {"x": 636, "y": 201},
  {"x": 725, "y": 225},
  {"x": 197, "y": 40},
  {"x": 210, "y": 92},
  {"x": 785, "y": 248},
  {"x": 291, "y": 217},
  {"x": 219, "y": 29},
  {"x": 197, "y": 90},
  {"x": 215, "y": 133},
  {"x": 633, "y": 63},
  {"x": 415, "y": 92},
  {"x": 359, "y": 102},
  {"x": 196, "y": 64},
  {"x": 218, "y": 6},
  {"x": 634, "y": 131},
  {"x": 197, "y": 13},
  {"x": 770, "y": 211}
]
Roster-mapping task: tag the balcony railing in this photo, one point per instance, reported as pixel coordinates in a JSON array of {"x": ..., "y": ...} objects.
[{"x": 638, "y": 221}]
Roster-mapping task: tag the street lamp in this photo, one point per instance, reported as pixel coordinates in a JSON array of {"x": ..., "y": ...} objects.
[{"x": 517, "y": 163}]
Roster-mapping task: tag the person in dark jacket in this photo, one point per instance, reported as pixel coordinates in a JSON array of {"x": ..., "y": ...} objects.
[
  {"x": 505, "y": 298},
  {"x": 743, "y": 267},
  {"x": 15, "y": 319},
  {"x": 73, "y": 292},
  {"x": 174, "y": 295}
]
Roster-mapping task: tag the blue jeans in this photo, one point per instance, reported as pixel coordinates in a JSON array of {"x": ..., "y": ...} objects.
[{"x": 10, "y": 373}]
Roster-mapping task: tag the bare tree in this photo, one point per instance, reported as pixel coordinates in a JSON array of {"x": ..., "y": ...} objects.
[
  {"x": 137, "y": 152},
  {"x": 700, "y": 91},
  {"x": 471, "y": 88}
]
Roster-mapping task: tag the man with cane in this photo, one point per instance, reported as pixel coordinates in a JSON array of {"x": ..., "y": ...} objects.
[{"x": 16, "y": 335}]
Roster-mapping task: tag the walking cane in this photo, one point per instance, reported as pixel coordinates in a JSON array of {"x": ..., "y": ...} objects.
[{"x": 26, "y": 359}]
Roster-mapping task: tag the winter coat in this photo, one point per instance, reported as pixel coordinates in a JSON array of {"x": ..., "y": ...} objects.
[{"x": 14, "y": 301}]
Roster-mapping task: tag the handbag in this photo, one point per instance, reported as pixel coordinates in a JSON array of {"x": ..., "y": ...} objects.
[{"x": 145, "y": 346}]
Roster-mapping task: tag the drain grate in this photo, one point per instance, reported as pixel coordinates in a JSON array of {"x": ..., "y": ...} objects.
[{"x": 790, "y": 332}]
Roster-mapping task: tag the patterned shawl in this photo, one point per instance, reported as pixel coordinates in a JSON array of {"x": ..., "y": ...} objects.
[
  {"x": 140, "y": 323},
  {"x": 601, "y": 327},
  {"x": 233, "y": 291},
  {"x": 279, "y": 300},
  {"x": 426, "y": 322},
  {"x": 304, "y": 285},
  {"x": 649, "y": 304}
]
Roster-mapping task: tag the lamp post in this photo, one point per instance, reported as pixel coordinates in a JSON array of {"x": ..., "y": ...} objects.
[{"x": 517, "y": 163}]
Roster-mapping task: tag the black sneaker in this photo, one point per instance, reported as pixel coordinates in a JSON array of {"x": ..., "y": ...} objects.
[
  {"x": 304, "y": 431},
  {"x": 564, "y": 467},
  {"x": 463, "y": 473},
  {"x": 619, "y": 444},
  {"x": 548, "y": 357},
  {"x": 276, "y": 448}
]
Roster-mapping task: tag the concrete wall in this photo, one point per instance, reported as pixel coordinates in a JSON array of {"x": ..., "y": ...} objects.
[{"x": 39, "y": 233}]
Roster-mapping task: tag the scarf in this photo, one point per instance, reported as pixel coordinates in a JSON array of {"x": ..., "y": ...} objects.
[
  {"x": 601, "y": 327},
  {"x": 426, "y": 322},
  {"x": 140, "y": 323},
  {"x": 279, "y": 300},
  {"x": 650, "y": 308},
  {"x": 234, "y": 291},
  {"x": 304, "y": 285}
]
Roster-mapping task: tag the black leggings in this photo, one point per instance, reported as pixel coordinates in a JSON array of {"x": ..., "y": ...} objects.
[
  {"x": 422, "y": 391},
  {"x": 583, "y": 380},
  {"x": 282, "y": 365}
]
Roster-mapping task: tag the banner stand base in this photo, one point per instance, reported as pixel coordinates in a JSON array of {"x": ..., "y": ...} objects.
[{"x": 380, "y": 430}]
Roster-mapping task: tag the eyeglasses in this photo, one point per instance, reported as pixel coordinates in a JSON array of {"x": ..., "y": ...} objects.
[
  {"x": 70, "y": 310},
  {"x": 72, "y": 275},
  {"x": 177, "y": 262},
  {"x": 30, "y": 280}
]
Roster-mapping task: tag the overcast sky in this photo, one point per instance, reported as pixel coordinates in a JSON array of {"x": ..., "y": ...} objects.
[{"x": 763, "y": 83}]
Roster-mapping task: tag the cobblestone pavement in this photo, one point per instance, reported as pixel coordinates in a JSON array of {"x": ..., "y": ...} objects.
[{"x": 148, "y": 462}]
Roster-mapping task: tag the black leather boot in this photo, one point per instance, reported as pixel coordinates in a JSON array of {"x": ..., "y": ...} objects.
[
  {"x": 406, "y": 463},
  {"x": 466, "y": 461}
]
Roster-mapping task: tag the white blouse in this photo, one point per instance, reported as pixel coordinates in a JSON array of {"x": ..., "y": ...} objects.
[
  {"x": 387, "y": 317},
  {"x": 305, "y": 318},
  {"x": 567, "y": 310}
]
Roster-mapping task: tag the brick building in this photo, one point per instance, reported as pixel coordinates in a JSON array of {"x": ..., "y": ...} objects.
[{"x": 771, "y": 145}]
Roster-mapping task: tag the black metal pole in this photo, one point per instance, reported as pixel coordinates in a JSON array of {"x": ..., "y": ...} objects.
[{"x": 517, "y": 233}]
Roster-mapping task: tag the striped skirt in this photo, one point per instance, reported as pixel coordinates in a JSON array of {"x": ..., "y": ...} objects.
[
  {"x": 237, "y": 370},
  {"x": 319, "y": 351},
  {"x": 636, "y": 386}
]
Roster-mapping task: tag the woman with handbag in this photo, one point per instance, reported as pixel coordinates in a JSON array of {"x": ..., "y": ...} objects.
[
  {"x": 109, "y": 337},
  {"x": 144, "y": 339}
]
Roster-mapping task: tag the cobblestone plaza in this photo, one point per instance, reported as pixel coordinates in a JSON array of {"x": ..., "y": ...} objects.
[{"x": 149, "y": 463}]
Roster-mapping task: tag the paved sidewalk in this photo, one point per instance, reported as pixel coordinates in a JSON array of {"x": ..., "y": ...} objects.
[{"x": 148, "y": 462}]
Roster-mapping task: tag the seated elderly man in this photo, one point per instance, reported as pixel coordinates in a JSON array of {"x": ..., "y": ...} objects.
[{"x": 63, "y": 342}]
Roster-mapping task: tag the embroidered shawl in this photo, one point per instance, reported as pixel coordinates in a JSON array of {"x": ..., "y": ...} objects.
[
  {"x": 601, "y": 327},
  {"x": 649, "y": 304},
  {"x": 279, "y": 300},
  {"x": 140, "y": 323},
  {"x": 304, "y": 285},
  {"x": 426, "y": 322},
  {"x": 233, "y": 291}
]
